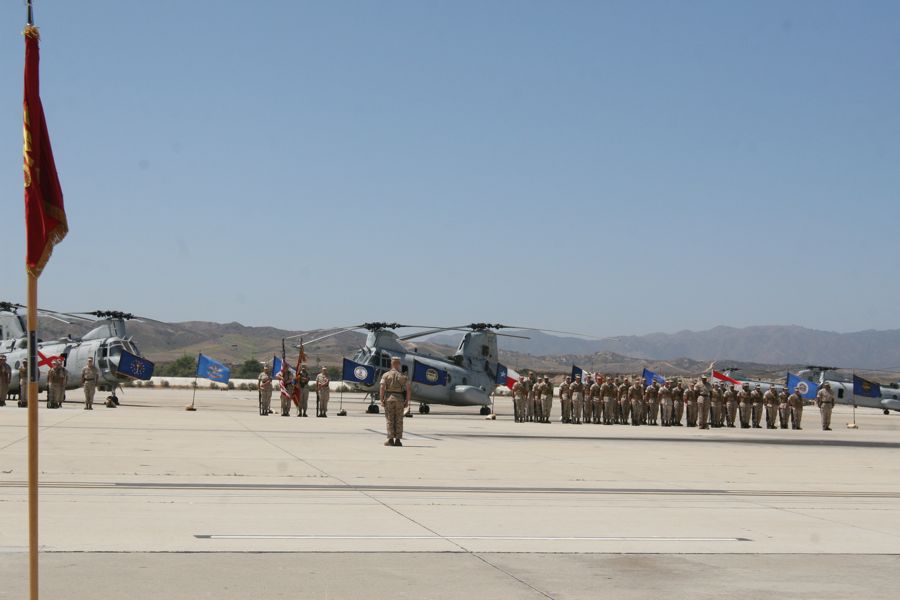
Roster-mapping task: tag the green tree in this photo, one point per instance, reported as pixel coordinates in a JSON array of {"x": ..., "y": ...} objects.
[
  {"x": 186, "y": 366},
  {"x": 249, "y": 369}
]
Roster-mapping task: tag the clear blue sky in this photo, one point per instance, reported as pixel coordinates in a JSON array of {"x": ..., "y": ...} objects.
[{"x": 607, "y": 167}]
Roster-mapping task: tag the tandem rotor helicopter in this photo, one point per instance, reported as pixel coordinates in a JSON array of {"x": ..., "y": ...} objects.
[
  {"x": 106, "y": 343},
  {"x": 467, "y": 377}
]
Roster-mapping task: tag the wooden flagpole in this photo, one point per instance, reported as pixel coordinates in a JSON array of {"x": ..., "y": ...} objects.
[{"x": 33, "y": 374}]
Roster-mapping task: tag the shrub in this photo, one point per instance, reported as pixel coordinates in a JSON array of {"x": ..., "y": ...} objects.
[
  {"x": 165, "y": 383},
  {"x": 213, "y": 386},
  {"x": 252, "y": 387},
  {"x": 230, "y": 385},
  {"x": 243, "y": 387},
  {"x": 149, "y": 383}
]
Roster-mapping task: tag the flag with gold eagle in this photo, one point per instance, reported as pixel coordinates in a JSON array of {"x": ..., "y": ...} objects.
[{"x": 45, "y": 215}]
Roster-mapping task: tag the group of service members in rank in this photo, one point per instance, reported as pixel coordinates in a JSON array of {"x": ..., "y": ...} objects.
[
  {"x": 57, "y": 380},
  {"x": 627, "y": 400}
]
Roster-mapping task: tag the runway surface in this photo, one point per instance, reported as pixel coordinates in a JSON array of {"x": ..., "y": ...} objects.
[{"x": 157, "y": 502}]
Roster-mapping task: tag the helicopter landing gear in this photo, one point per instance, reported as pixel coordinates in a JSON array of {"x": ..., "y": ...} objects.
[
  {"x": 886, "y": 411},
  {"x": 485, "y": 411},
  {"x": 372, "y": 409},
  {"x": 424, "y": 409}
]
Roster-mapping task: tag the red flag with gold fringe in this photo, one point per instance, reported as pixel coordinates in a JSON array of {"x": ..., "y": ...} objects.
[{"x": 45, "y": 215}]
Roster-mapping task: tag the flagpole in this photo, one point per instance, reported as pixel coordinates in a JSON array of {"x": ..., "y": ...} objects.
[
  {"x": 33, "y": 374},
  {"x": 852, "y": 424}
]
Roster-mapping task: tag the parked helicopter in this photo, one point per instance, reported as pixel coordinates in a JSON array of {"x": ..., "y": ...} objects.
[
  {"x": 468, "y": 377},
  {"x": 843, "y": 390},
  {"x": 105, "y": 343}
]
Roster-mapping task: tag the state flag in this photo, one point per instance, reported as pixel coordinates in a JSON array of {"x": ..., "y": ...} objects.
[
  {"x": 807, "y": 389},
  {"x": 136, "y": 367},
  {"x": 866, "y": 388},
  {"x": 211, "y": 369},
  {"x": 358, "y": 373}
]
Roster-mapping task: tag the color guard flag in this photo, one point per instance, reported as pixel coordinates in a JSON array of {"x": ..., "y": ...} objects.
[
  {"x": 358, "y": 373},
  {"x": 506, "y": 376},
  {"x": 577, "y": 371},
  {"x": 134, "y": 366},
  {"x": 428, "y": 375},
  {"x": 650, "y": 377},
  {"x": 45, "y": 215},
  {"x": 212, "y": 369},
  {"x": 724, "y": 377},
  {"x": 866, "y": 388},
  {"x": 807, "y": 389}
]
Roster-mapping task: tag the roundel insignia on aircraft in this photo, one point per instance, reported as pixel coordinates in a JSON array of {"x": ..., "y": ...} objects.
[
  {"x": 802, "y": 388},
  {"x": 431, "y": 375},
  {"x": 360, "y": 373}
]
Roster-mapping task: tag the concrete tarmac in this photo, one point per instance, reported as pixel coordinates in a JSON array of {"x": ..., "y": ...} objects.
[{"x": 150, "y": 501}]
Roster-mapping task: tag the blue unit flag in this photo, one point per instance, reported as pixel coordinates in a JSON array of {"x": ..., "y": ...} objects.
[
  {"x": 212, "y": 369},
  {"x": 428, "y": 375},
  {"x": 866, "y": 388},
  {"x": 807, "y": 389},
  {"x": 358, "y": 373},
  {"x": 577, "y": 371},
  {"x": 134, "y": 366},
  {"x": 650, "y": 377}
]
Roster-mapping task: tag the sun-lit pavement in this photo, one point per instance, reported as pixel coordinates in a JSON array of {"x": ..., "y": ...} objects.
[{"x": 467, "y": 507}]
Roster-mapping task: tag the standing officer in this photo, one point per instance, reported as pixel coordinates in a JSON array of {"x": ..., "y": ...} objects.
[
  {"x": 624, "y": 403},
  {"x": 565, "y": 400},
  {"x": 324, "y": 391},
  {"x": 770, "y": 399},
  {"x": 608, "y": 396},
  {"x": 303, "y": 382},
  {"x": 651, "y": 403},
  {"x": 744, "y": 405},
  {"x": 287, "y": 389},
  {"x": 89, "y": 376},
  {"x": 265, "y": 391},
  {"x": 678, "y": 402},
  {"x": 717, "y": 407},
  {"x": 394, "y": 393},
  {"x": 57, "y": 379},
  {"x": 636, "y": 396},
  {"x": 795, "y": 401},
  {"x": 576, "y": 389},
  {"x": 703, "y": 391},
  {"x": 667, "y": 403},
  {"x": 5, "y": 379},
  {"x": 537, "y": 404},
  {"x": 825, "y": 402},
  {"x": 587, "y": 406},
  {"x": 520, "y": 397},
  {"x": 756, "y": 398},
  {"x": 23, "y": 383},
  {"x": 784, "y": 409},
  {"x": 730, "y": 405},
  {"x": 546, "y": 399},
  {"x": 596, "y": 399}
]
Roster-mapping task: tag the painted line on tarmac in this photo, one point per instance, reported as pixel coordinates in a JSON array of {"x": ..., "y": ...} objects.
[
  {"x": 449, "y": 489},
  {"x": 492, "y": 538}
]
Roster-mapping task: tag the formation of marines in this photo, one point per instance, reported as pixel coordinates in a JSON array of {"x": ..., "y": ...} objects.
[{"x": 629, "y": 401}]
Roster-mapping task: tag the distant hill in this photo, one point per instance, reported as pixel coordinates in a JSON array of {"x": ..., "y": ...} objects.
[
  {"x": 760, "y": 351},
  {"x": 766, "y": 344}
]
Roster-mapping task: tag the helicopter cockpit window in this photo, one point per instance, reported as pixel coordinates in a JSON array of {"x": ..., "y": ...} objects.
[
  {"x": 840, "y": 392},
  {"x": 485, "y": 351},
  {"x": 385, "y": 361}
]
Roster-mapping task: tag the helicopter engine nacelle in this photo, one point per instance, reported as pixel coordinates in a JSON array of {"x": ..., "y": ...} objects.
[{"x": 469, "y": 395}]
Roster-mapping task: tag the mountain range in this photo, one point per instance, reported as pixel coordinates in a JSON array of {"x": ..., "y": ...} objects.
[{"x": 764, "y": 349}]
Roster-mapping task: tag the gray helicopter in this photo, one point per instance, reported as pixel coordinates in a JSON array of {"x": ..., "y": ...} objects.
[
  {"x": 467, "y": 377},
  {"x": 106, "y": 343}
]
